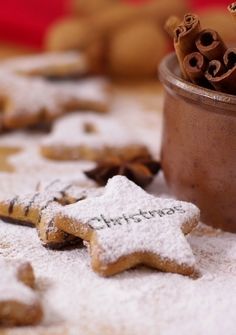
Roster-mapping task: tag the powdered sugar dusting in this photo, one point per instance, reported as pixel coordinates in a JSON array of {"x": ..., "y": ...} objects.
[
  {"x": 19, "y": 139},
  {"x": 88, "y": 90},
  {"x": 12, "y": 184},
  {"x": 16, "y": 89},
  {"x": 30, "y": 161},
  {"x": 135, "y": 301},
  {"x": 145, "y": 122}
]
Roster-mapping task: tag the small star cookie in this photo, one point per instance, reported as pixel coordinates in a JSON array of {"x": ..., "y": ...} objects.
[
  {"x": 19, "y": 304},
  {"x": 126, "y": 226},
  {"x": 38, "y": 209},
  {"x": 92, "y": 137}
]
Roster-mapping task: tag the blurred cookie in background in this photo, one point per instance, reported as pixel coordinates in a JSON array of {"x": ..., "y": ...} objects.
[
  {"x": 87, "y": 7},
  {"x": 136, "y": 49},
  {"x": 69, "y": 34},
  {"x": 120, "y": 39}
]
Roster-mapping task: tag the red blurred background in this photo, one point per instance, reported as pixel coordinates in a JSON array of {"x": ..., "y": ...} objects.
[{"x": 25, "y": 22}]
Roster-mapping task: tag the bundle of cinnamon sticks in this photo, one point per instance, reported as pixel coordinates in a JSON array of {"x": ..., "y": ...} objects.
[{"x": 203, "y": 57}]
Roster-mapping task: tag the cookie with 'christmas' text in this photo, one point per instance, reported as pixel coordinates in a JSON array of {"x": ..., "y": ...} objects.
[{"x": 126, "y": 226}]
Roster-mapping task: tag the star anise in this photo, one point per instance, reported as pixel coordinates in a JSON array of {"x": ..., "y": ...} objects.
[{"x": 140, "y": 169}]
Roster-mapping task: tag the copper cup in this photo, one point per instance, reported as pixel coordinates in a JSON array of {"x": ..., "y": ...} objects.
[{"x": 199, "y": 146}]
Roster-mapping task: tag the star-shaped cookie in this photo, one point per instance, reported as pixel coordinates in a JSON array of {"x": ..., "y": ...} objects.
[
  {"x": 126, "y": 226},
  {"x": 29, "y": 101},
  {"x": 91, "y": 137},
  {"x": 39, "y": 209}
]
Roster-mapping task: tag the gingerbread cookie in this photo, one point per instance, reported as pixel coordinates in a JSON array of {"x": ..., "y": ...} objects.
[
  {"x": 127, "y": 57},
  {"x": 127, "y": 226},
  {"x": 51, "y": 64},
  {"x": 90, "y": 136},
  {"x": 19, "y": 304},
  {"x": 38, "y": 209},
  {"x": 29, "y": 101}
]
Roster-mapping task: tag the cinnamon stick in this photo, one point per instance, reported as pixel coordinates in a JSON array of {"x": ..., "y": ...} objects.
[
  {"x": 195, "y": 65},
  {"x": 171, "y": 24},
  {"x": 232, "y": 10},
  {"x": 224, "y": 82},
  {"x": 230, "y": 58},
  {"x": 215, "y": 69},
  {"x": 184, "y": 39},
  {"x": 210, "y": 44}
]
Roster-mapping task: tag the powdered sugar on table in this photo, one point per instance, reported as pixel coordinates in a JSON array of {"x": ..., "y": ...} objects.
[
  {"x": 77, "y": 301},
  {"x": 135, "y": 301}
]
